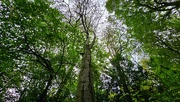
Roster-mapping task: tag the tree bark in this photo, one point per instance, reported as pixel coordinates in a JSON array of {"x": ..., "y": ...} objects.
[{"x": 85, "y": 90}]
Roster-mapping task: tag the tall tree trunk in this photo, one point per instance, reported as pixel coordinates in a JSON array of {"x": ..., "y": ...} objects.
[{"x": 85, "y": 90}]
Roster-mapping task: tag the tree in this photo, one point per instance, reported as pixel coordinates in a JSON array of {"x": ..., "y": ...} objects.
[
  {"x": 155, "y": 24},
  {"x": 85, "y": 89},
  {"x": 35, "y": 42},
  {"x": 86, "y": 16},
  {"x": 127, "y": 80}
]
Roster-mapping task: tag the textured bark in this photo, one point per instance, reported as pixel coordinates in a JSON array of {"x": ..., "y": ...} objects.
[{"x": 85, "y": 90}]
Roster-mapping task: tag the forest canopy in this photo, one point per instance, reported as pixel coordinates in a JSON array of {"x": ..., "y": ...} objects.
[{"x": 70, "y": 51}]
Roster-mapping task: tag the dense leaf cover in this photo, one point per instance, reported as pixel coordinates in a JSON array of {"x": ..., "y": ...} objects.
[
  {"x": 42, "y": 52},
  {"x": 155, "y": 24}
]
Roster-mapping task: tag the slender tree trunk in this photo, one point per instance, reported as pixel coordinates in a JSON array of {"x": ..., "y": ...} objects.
[
  {"x": 43, "y": 95},
  {"x": 85, "y": 90},
  {"x": 125, "y": 87}
]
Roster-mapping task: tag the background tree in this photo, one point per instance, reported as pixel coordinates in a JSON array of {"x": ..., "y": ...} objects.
[
  {"x": 155, "y": 24},
  {"x": 126, "y": 80},
  {"x": 37, "y": 52}
]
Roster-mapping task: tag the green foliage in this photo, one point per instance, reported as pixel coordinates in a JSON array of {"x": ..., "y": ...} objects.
[
  {"x": 40, "y": 53},
  {"x": 156, "y": 26},
  {"x": 152, "y": 30},
  {"x": 35, "y": 46}
]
